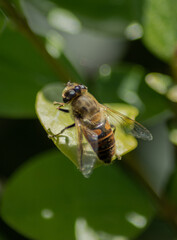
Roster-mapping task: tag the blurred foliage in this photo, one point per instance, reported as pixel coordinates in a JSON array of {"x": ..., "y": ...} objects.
[
  {"x": 23, "y": 72},
  {"x": 2, "y": 237},
  {"x": 160, "y": 30},
  {"x": 128, "y": 86},
  {"x": 2, "y": 21},
  {"x": 125, "y": 52},
  {"x": 42, "y": 188}
]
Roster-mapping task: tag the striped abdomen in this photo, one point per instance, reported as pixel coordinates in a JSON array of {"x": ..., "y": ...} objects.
[{"x": 105, "y": 145}]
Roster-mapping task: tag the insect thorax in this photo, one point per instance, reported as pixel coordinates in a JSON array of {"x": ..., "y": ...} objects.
[{"x": 85, "y": 107}]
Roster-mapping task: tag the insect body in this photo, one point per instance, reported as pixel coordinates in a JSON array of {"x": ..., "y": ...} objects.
[
  {"x": 94, "y": 122},
  {"x": 95, "y": 126}
]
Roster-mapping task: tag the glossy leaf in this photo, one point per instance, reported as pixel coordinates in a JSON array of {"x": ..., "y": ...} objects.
[
  {"x": 54, "y": 121},
  {"x": 159, "y": 82},
  {"x": 172, "y": 130},
  {"x": 173, "y": 136},
  {"x": 160, "y": 29},
  {"x": 172, "y": 94},
  {"x": 163, "y": 84},
  {"x": 48, "y": 199}
]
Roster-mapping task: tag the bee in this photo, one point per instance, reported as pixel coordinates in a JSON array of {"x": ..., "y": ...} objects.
[{"x": 93, "y": 121}]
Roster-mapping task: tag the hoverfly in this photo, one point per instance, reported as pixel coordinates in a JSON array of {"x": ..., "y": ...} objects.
[{"x": 97, "y": 123}]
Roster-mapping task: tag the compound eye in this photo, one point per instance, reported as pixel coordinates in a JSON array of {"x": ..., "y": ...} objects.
[
  {"x": 83, "y": 87},
  {"x": 77, "y": 88},
  {"x": 72, "y": 93}
]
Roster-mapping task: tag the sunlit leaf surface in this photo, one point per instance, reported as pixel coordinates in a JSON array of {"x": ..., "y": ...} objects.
[
  {"x": 54, "y": 120},
  {"x": 48, "y": 199},
  {"x": 159, "y": 82},
  {"x": 172, "y": 94}
]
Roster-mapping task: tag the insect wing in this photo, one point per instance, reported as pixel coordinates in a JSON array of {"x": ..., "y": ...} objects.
[
  {"x": 129, "y": 125},
  {"x": 86, "y": 156}
]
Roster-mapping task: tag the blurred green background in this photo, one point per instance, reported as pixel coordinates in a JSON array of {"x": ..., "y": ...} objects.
[{"x": 125, "y": 52}]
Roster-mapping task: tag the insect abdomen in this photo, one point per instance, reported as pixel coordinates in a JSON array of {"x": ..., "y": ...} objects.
[{"x": 105, "y": 145}]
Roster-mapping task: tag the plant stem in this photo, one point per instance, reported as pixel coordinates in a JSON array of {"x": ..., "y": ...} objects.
[{"x": 23, "y": 26}]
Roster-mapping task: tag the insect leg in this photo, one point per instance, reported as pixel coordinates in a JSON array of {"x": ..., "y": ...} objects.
[
  {"x": 118, "y": 157},
  {"x": 114, "y": 128},
  {"x": 80, "y": 149},
  {"x": 56, "y": 135},
  {"x": 70, "y": 126},
  {"x": 61, "y": 105},
  {"x": 63, "y": 110},
  {"x": 58, "y": 103}
]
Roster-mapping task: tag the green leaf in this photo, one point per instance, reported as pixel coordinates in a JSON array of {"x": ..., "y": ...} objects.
[
  {"x": 160, "y": 29},
  {"x": 23, "y": 72},
  {"x": 112, "y": 17},
  {"x": 172, "y": 130},
  {"x": 48, "y": 199},
  {"x": 172, "y": 93},
  {"x": 159, "y": 82},
  {"x": 54, "y": 121},
  {"x": 163, "y": 84},
  {"x": 173, "y": 135}
]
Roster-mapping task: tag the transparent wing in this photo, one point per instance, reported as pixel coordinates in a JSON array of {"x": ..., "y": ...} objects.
[
  {"x": 129, "y": 125},
  {"x": 86, "y": 155}
]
